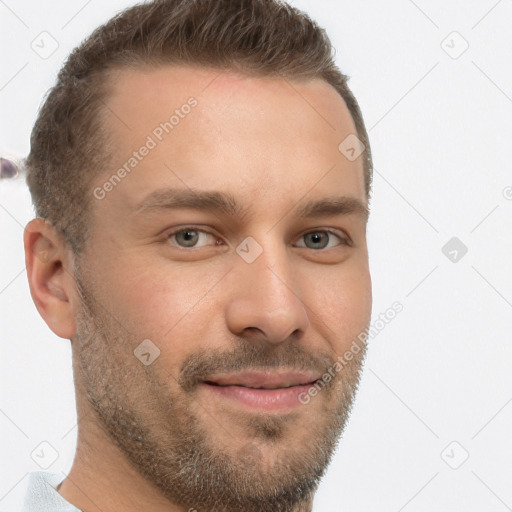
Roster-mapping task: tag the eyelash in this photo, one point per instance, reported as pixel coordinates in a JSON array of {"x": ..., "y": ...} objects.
[{"x": 344, "y": 239}]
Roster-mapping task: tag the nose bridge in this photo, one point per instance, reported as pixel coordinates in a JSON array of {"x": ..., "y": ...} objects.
[
  {"x": 271, "y": 269},
  {"x": 267, "y": 297}
]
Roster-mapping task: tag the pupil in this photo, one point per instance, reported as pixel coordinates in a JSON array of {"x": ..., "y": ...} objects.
[
  {"x": 189, "y": 237},
  {"x": 316, "y": 238}
]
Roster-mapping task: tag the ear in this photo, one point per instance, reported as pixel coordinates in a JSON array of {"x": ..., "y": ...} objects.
[{"x": 50, "y": 276}]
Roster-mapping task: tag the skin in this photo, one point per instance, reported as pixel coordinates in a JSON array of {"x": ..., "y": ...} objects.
[{"x": 273, "y": 147}]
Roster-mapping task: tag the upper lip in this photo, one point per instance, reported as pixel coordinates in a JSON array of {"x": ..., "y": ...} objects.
[{"x": 263, "y": 380}]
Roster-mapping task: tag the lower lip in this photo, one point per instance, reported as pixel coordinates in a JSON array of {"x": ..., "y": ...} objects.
[{"x": 266, "y": 399}]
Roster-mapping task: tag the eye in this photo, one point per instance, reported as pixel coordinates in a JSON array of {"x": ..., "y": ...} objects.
[
  {"x": 190, "y": 237},
  {"x": 322, "y": 240}
]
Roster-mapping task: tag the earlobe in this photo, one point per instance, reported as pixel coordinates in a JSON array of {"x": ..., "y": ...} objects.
[{"x": 50, "y": 281}]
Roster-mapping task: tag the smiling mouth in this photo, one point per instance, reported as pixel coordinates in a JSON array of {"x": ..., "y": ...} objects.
[
  {"x": 266, "y": 387},
  {"x": 261, "y": 390}
]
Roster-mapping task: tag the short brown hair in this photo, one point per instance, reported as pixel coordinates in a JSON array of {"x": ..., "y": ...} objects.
[{"x": 69, "y": 146}]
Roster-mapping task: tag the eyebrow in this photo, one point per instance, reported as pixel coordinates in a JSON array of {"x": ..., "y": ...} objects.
[{"x": 225, "y": 203}]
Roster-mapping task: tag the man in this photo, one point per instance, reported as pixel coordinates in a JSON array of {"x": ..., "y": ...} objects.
[{"x": 201, "y": 175}]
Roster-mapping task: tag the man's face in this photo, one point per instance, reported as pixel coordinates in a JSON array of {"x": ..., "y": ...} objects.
[{"x": 243, "y": 327}]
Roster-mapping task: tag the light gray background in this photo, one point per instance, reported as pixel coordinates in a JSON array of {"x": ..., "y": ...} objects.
[{"x": 440, "y": 124}]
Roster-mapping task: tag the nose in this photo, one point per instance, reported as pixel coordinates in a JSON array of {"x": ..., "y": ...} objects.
[{"x": 266, "y": 303}]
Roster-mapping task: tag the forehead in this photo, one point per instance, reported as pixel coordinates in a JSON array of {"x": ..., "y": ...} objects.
[{"x": 210, "y": 129}]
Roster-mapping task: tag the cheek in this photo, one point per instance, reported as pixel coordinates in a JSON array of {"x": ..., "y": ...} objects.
[
  {"x": 345, "y": 307},
  {"x": 159, "y": 302}
]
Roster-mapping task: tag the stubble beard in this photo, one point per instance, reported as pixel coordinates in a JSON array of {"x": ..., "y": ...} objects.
[{"x": 169, "y": 445}]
